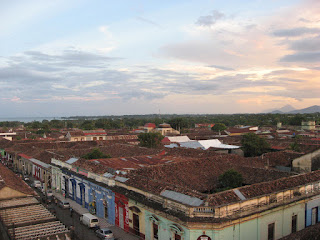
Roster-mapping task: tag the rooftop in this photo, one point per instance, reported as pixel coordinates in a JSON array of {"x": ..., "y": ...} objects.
[{"x": 11, "y": 180}]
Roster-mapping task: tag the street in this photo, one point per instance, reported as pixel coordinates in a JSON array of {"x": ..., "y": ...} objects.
[{"x": 81, "y": 232}]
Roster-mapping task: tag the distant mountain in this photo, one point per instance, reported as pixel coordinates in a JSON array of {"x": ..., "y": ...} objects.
[
  {"x": 285, "y": 109},
  {"x": 312, "y": 109},
  {"x": 291, "y": 110}
]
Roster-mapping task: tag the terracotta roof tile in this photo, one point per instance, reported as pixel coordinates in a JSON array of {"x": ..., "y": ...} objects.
[{"x": 11, "y": 180}]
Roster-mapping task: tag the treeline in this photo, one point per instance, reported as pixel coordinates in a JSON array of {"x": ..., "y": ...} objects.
[{"x": 176, "y": 121}]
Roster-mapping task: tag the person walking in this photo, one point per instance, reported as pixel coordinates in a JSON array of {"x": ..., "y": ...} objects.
[{"x": 71, "y": 211}]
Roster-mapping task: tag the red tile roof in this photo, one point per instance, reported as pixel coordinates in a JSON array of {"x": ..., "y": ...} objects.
[
  {"x": 150, "y": 125},
  {"x": 12, "y": 181},
  {"x": 24, "y": 156}
]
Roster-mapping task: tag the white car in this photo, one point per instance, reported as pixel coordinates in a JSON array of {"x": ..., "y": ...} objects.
[{"x": 36, "y": 184}]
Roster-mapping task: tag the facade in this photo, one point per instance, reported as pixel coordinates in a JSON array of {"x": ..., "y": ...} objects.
[
  {"x": 166, "y": 129},
  {"x": 81, "y": 187},
  {"x": 94, "y": 135},
  {"x": 121, "y": 211},
  {"x": 308, "y": 125},
  {"x": 307, "y": 162},
  {"x": 75, "y": 136}
]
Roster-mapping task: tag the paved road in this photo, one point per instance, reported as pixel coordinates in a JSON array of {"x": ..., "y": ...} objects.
[{"x": 81, "y": 232}]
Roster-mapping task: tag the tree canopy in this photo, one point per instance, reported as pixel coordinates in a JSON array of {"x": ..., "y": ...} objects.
[
  {"x": 230, "y": 179},
  {"x": 96, "y": 154},
  {"x": 218, "y": 127},
  {"x": 253, "y": 145},
  {"x": 150, "y": 140}
]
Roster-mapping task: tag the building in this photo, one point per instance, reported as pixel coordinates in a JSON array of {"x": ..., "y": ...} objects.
[
  {"x": 94, "y": 135},
  {"x": 175, "y": 195},
  {"x": 165, "y": 129},
  {"x": 308, "y": 125},
  {"x": 204, "y": 125},
  {"x": 74, "y": 136}
]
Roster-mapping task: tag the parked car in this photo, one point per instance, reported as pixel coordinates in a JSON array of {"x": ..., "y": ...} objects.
[
  {"x": 26, "y": 178},
  {"x": 64, "y": 204},
  {"x": 89, "y": 220},
  {"x": 36, "y": 184},
  {"x": 104, "y": 233}
]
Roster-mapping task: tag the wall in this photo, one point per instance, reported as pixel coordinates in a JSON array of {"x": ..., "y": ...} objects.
[
  {"x": 8, "y": 193},
  {"x": 313, "y": 202},
  {"x": 121, "y": 204},
  {"x": 165, "y": 226},
  {"x": 133, "y": 205},
  {"x": 304, "y": 163}
]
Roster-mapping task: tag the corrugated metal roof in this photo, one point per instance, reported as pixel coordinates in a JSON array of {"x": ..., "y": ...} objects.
[
  {"x": 39, "y": 163},
  {"x": 121, "y": 179},
  {"x": 239, "y": 194},
  {"x": 204, "y": 144},
  {"x": 72, "y": 160},
  {"x": 108, "y": 175},
  {"x": 179, "y": 197},
  {"x": 179, "y": 139}
]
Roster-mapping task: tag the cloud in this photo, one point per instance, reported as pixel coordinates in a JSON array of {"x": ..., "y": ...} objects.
[
  {"x": 222, "y": 67},
  {"x": 211, "y": 19},
  {"x": 305, "y": 57},
  {"x": 295, "y": 32},
  {"x": 307, "y": 44},
  {"x": 145, "y": 20},
  {"x": 70, "y": 57}
]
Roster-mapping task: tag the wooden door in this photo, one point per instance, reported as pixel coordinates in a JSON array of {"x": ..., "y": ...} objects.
[{"x": 136, "y": 224}]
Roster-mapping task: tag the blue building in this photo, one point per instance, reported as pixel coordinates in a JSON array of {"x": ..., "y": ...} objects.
[{"x": 93, "y": 195}]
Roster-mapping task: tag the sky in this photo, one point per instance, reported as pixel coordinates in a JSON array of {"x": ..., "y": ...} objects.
[{"x": 103, "y": 57}]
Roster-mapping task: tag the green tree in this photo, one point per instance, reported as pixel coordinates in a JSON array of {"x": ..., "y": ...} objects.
[
  {"x": 150, "y": 140},
  {"x": 87, "y": 125},
  {"x": 295, "y": 146},
  {"x": 69, "y": 124},
  {"x": 96, "y": 154},
  {"x": 253, "y": 145},
  {"x": 218, "y": 127},
  {"x": 230, "y": 179},
  {"x": 35, "y": 125}
]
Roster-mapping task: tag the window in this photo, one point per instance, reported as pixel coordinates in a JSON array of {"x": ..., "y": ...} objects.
[
  {"x": 155, "y": 231},
  {"x": 271, "y": 231},
  {"x": 294, "y": 224}
]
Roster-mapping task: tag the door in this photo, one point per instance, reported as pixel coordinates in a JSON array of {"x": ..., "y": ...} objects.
[
  {"x": 106, "y": 212},
  {"x": 177, "y": 237},
  {"x": 136, "y": 224},
  {"x": 121, "y": 223},
  {"x": 314, "y": 215},
  {"x": 83, "y": 197},
  {"x": 155, "y": 231}
]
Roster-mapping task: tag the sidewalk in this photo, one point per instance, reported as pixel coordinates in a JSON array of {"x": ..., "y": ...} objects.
[
  {"x": 118, "y": 232},
  {"x": 81, "y": 210}
]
